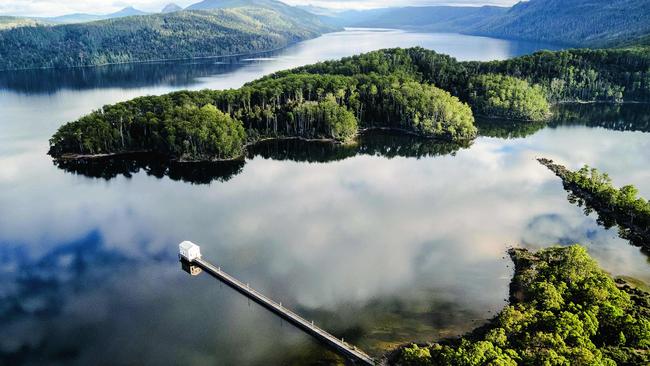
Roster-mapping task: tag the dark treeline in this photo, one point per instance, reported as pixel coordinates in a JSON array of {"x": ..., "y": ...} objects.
[
  {"x": 564, "y": 310},
  {"x": 154, "y": 165},
  {"x": 615, "y": 206},
  {"x": 132, "y": 75},
  {"x": 508, "y": 129},
  {"x": 177, "y": 35},
  {"x": 611, "y": 116},
  {"x": 373, "y": 142},
  {"x": 618, "y": 117}
]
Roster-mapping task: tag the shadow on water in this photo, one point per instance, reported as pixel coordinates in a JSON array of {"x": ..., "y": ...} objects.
[
  {"x": 508, "y": 129},
  {"x": 616, "y": 117},
  {"x": 178, "y": 73},
  {"x": 154, "y": 165},
  {"x": 375, "y": 142}
]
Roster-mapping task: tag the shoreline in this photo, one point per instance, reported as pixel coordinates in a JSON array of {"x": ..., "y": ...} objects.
[
  {"x": 479, "y": 118},
  {"x": 243, "y": 155},
  {"x": 161, "y": 60},
  {"x": 629, "y": 230}
]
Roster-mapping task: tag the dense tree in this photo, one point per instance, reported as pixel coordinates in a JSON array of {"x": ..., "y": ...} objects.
[
  {"x": 414, "y": 90},
  {"x": 615, "y": 206},
  {"x": 301, "y": 105},
  {"x": 564, "y": 310},
  {"x": 184, "y": 34},
  {"x": 427, "y": 110},
  {"x": 186, "y": 132},
  {"x": 570, "y": 75},
  {"x": 327, "y": 115},
  {"x": 506, "y": 96}
]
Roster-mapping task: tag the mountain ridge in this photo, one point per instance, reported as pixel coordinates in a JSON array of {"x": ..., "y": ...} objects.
[
  {"x": 177, "y": 35},
  {"x": 581, "y": 23},
  {"x": 85, "y": 17}
]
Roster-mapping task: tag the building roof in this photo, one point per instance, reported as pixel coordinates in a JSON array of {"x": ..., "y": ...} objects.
[{"x": 186, "y": 245}]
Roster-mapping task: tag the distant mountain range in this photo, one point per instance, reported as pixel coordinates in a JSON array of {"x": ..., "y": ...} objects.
[
  {"x": 429, "y": 18},
  {"x": 82, "y": 17},
  {"x": 573, "y": 22},
  {"x": 593, "y": 23},
  {"x": 170, "y": 8},
  {"x": 292, "y": 11}
]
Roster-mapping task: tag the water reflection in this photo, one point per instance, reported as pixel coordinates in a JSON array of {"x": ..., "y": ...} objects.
[
  {"x": 110, "y": 167},
  {"x": 618, "y": 117},
  {"x": 232, "y": 72},
  {"x": 374, "y": 142},
  {"x": 136, "y": 75},
  {"x": 381, "y": 143},
  {"x": 508, "y": 129}
]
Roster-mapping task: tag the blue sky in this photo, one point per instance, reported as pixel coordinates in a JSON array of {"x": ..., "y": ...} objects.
[{"x": 59, "y": 7}]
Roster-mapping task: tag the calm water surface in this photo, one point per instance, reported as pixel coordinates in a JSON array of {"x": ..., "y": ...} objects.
[{"x": 393, "y": 240}]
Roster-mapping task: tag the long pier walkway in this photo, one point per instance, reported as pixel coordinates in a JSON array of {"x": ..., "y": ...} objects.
[{"x": 351, "y": 352}]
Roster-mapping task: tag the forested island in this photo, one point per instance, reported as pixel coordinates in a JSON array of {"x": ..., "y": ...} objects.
[
  {"x": 615, "y": 206},
  {"x": 190, "y": 125},
  {"x": 413, "y": 90},
  {"x": 564, "y": 310}
]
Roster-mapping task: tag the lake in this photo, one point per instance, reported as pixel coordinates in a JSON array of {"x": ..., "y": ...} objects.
[{"x": 393, "y": 240}]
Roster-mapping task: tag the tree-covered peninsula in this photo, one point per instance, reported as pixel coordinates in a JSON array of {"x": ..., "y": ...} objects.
[
  {"x": 564, "y": 310},
  {"x": 615, "y": 206},
  {"x": 413, "y": 90}
]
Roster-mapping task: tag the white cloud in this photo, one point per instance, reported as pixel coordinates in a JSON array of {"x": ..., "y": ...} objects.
[{"x": 60, "y": 7}]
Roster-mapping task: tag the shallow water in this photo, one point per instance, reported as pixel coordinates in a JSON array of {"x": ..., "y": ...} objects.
[{"x": 394, "y": 240}]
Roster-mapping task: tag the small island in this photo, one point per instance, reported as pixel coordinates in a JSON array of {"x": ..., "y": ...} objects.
[{"x": 411, "y": 90}]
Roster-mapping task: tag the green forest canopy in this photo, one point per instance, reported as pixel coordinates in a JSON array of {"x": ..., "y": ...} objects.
[
  {"x": 615, "y": 206},
  {"x": 177, "y": 35},
  {"x": 307, "y": 106},
  {"x": 564, "y": 310},
  {"x": 413, "y": 89}
]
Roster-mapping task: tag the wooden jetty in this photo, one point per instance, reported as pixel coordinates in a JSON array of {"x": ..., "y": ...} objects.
[{"x": 191, "y": 254}]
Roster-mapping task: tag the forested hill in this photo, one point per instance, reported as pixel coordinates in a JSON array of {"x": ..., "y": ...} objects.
[
  {"x": 573, "y": 22},
  {"x": 583, "y": 23},
  {"x": 426, "y": 18},
  {"x": 183, "y": 34}
]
